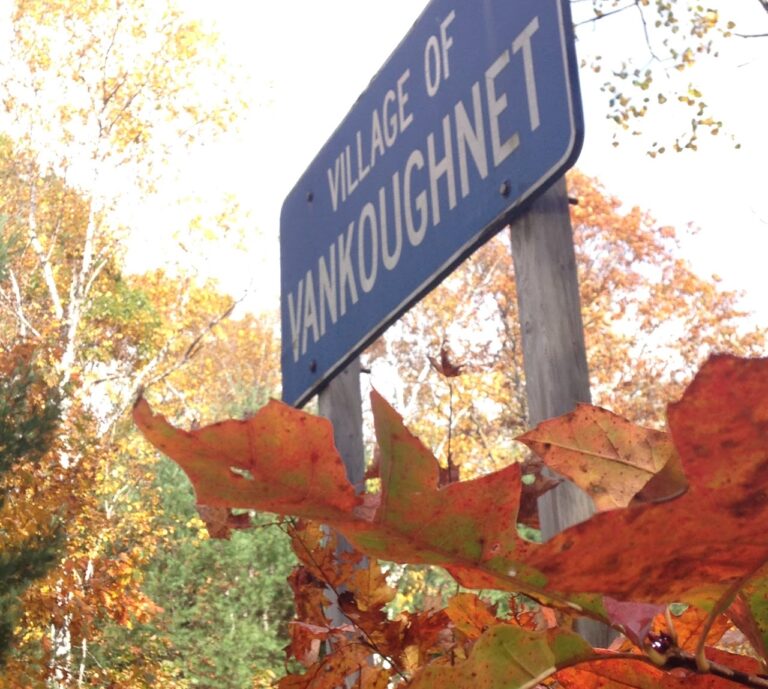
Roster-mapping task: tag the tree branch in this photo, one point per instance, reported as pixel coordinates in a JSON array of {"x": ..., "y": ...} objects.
[
  {"x": 18, "y": 307},
  {"x": 677, "y": 658},
  {"x": 106, "y": 97},
  {"x": 645, "y": 31},
  {"x": 603, "y": 15},
  {"x": 78, "y": 289},
  {"x": 195, "y": 345},
  {"x": 100, "y": 265},
  {"x": 688, "y": 661},
  {"x": 143, "y": 379}
]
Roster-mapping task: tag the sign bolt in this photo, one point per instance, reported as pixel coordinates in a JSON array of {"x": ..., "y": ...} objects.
[
  {"x": 505, "y": 188},
  {"x": 310, "y": 197},
  {"x": 313, "y": 366}
]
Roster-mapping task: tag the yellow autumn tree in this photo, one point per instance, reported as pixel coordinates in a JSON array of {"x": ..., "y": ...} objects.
[
  {"x": 97, "y": 97},
  {"x": 115, "y": 525}
]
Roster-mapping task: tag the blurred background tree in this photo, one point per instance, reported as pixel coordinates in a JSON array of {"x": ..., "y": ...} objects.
[{"x": 97, "y": 97}]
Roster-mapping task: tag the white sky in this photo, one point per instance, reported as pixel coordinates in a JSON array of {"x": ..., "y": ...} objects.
[{"x": 305, "y": 62}]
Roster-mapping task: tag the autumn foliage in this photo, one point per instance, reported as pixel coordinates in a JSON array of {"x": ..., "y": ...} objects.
[
  {"x": 98, "y": 100},
  {"x": 681, "y": 523}
]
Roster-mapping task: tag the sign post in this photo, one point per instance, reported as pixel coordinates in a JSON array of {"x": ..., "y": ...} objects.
[
  {"x": 554, "y": 356},
  {"x": 340, "y": 402},
  {"x": 475, "y": 113},
  {"x": 473, "y": 117}
]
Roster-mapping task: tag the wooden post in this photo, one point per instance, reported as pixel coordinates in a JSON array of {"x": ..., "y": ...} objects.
[
  {"x": 554, "y": 356},
  {"x": 341, "y": 403}
]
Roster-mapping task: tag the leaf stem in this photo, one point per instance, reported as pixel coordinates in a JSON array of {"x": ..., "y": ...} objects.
[
  {"x": 690, "y": 662},
  {"x": 671, "y": 625},
  {"x": 720, "y": 606}
]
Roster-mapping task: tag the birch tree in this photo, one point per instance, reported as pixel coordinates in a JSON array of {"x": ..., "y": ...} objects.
[{"x": 98, "y": 95}]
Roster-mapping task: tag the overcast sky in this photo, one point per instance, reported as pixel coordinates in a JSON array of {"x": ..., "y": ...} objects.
[{"x": 304, "y": 63}]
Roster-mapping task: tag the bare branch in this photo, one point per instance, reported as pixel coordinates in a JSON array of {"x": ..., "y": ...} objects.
[
  {"x": 680, "y": 659},
  {"x": 196, "y": 344},
  {"x": 92, "y": 278},
  {"x": 603, "y": 15},
  {"x": 53, "y": 238},
  {"x": 18, "y": 306},
  {"x": 688, "y": 661},
  {"x": 645, "y": 31},
  {"x": 112, "y": 122},
  {"x": 82, "y": 279},
  {"x": 106, "y": 97}
]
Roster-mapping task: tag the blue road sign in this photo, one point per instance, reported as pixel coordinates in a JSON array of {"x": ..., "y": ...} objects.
[{"x": 475, "y": 112}]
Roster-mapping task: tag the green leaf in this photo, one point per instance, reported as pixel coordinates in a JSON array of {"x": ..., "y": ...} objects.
[{"x": 749, "y": 612}]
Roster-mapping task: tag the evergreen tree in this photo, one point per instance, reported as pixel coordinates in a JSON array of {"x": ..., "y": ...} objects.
[{"x": 226, "y": 603}]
